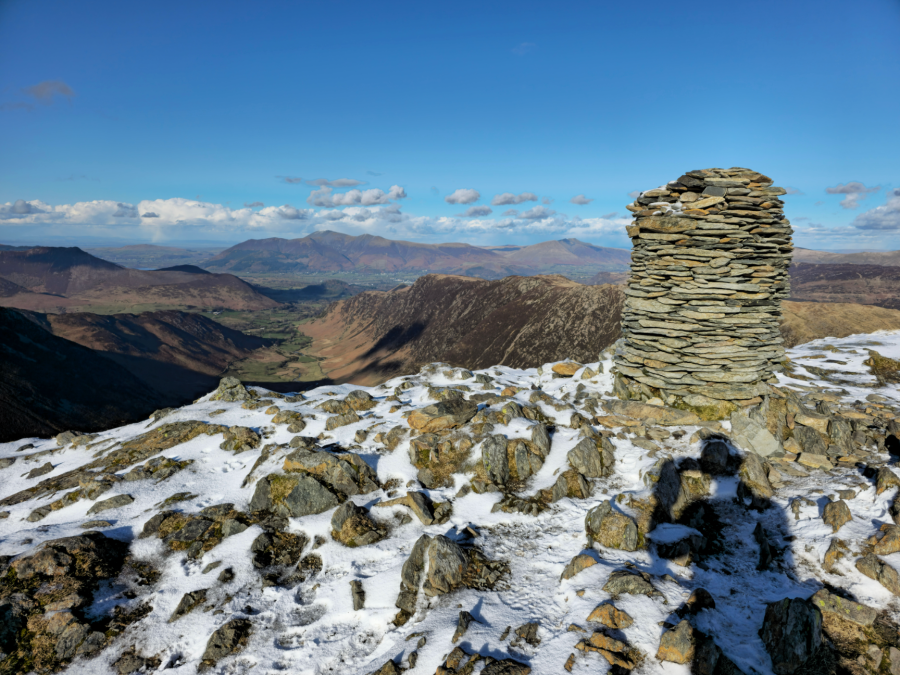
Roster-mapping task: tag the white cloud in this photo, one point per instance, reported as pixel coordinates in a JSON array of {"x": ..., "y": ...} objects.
[
  {"x": 508, "y": 198},
  {"x": 476, "y": 211},
  {"x": 635, "y": 194},
  {"x": 792, "y": 191},
  {"x": 881, "y": 218},
  {"x": 580, "y": 200},
  {"x": 855, "y": 192},
  {"x": 179, "y": 218},
  {"x": 463, "y": 196},
  {"x": 326, "y": 197},
  {"x": 511, "y": 212}
]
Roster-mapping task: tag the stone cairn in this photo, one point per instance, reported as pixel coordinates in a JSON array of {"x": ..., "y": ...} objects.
[{"x": 709, "y": 268}]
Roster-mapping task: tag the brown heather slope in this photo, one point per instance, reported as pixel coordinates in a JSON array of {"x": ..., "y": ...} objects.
[
  {"x": 179, "y": 354},
  {"x": 857, "y": 283},
  {"x": 57, "y": 279},
  {"x": 805, "y": 321},
  {"x": 889, "y": 258},
  {"x": 49, "y": 384},
  {"x": 516, "y": 321}
]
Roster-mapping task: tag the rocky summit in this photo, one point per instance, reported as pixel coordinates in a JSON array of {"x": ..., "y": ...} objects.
[
  {"x": 710, "y": 259},
  {"x": 495, "y": 521}
]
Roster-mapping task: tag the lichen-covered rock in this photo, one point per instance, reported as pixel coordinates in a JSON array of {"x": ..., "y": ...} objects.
[
  {"x": 292, "y": 495},
  {"x": 442, "y": 415},
  {"x": 231, "y": 389},
  {"x": 240, "y": 439},
  {"x": 754, "y": 484},
  {"x": 753, "y": 437},
  {"x": 336, "y": 421},
  {"x": 495, "y": 459},
  {"x": 439, "y": 456},
  {"x": 612, "y": 528},
  {"x": 661, "y": 415},
  {"x": 610, "y": 616},
  {"x": 630, "y": 583},
  {"x": 875, "y": 568},
  {"x": 347, "y": 473},
  {"x": 228, "y": 639},
  {"x": 352, "y": 526},
  {"x": 43, "y": 597},
  {"x": 111, "y": 503},
  {"x": 593, "y": 457},
  {"x": 836, "y": 514},
  {"x": 577, "y": 564},
  {"x": 189, "y": 602},
  {"x": 677, "y": 644}
]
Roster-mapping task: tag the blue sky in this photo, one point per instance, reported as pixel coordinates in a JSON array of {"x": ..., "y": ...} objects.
[{"x": 190, "y": 111}]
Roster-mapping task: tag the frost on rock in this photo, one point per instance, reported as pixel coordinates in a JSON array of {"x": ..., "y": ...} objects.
[{"x": 360, "y": 529}]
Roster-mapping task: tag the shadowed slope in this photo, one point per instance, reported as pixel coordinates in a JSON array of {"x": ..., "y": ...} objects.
[{"x": 49, "y": 384}]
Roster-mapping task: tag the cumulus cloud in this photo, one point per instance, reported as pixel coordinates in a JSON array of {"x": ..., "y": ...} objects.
[
  {"x": 473, "y": 211},
  {"x": 882, "y": 218},
  {"x": 507, "y": 198},
  {"x": 326, "y": 197},
  {"x": 511, "y": 212},
  {"x": 179, "y": 218},
  {"x": 46, "y": 90},
  {"x": 338, "y": 183},
  {"x": 580, "y": 200},
  {"x": 855, "y": 192},
  {"x": 253, "y": 205},
  {"x": 149, "y": 214},
  {"x": 523, "y": 48},
  {"x": 463, "y": 196},
  {"x": 537, "y": 213}
]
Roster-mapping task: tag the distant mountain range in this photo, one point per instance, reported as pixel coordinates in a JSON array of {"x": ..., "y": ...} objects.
[
  {"x": 335, "y": 252},
  {"x": 63, "y": 279}
]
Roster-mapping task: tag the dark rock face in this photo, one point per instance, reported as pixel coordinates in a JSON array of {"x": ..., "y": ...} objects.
[
  {"x": 48, "y": 592},
  {"x": 792, "y": 634}
]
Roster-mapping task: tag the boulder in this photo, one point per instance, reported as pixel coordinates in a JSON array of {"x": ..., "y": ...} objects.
[
  {"x": 753, "y": 437},
  {"x": 609, "y": 616},
  {"x": 292, "y": 495},
  {"x": 792, "y": 634},
  {"x": 495, "y": 459},
  {"x": 677, "y": 644},
  {"x": 346, "y": 474},
  {"x": 593, "y": 457},
  {"x": 754, "y": 481},
  {"x": 875, "y": 568},
  {"x": 631, "y": 583},
  {"x": 111, "y": 503},
  {"x": 836, "y": 514},
  {"x": 612, "y": 528},
  {"x": 580, "y": 562},
  {"x": 442, "y": 415},
  {"x": 352, "y": 526},
  {"x": 230, "y": 389},
  {"x": 228, "y": 639},
  {"x": 188, "y": 602}
]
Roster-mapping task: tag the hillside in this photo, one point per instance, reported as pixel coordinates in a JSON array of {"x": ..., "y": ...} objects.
[
  {"x": 49, "y": 384},
  {"x": 179, "y": 354},
  {"x": 498, "y": 522},
  {"x": 846, "y": 282},
  {"x": 889, "y": 258},
  {"x": 58, "y": 278},
  {"x": 335, "y": 252},
  {"x": 151, "y": 256},
  {"x": 517, "y": 321}
]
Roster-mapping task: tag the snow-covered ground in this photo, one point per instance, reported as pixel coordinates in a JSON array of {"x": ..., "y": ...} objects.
[{"x": 313, "y": 628}]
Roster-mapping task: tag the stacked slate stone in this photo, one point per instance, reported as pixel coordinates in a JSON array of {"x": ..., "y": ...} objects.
[{"x": 709, "y": 270}]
